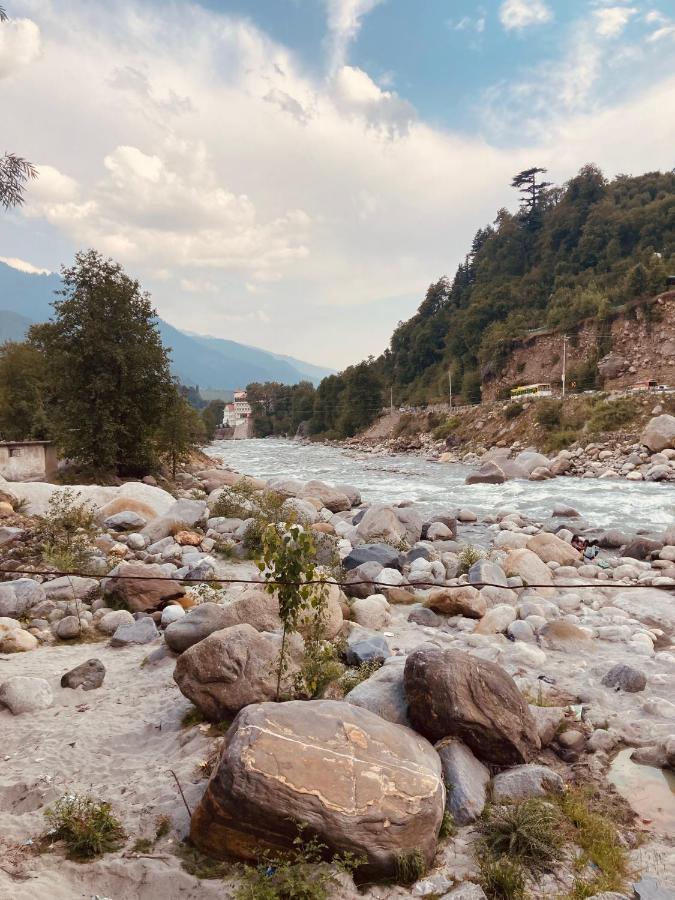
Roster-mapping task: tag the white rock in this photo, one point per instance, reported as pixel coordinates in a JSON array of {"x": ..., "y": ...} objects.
[{"x": 23, "y": 693}]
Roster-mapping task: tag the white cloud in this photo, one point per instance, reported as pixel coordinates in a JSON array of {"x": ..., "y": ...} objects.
[
  {"x": 666, "y": 31},
  {"x": 519, "y": 14},
  {"x": 19, "y": 45},
  {"x": 344, "y": 24},
  {"x": 468, "y": 23},
  {"x": 305, "y": 214},
  {"x": 611, "y": 20},
  {"x": 23, "y": 266}
]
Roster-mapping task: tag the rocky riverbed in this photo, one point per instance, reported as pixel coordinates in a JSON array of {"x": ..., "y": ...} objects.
[
  {"x": 650, "y": 458},
  {"x": 485, "y": 661}
]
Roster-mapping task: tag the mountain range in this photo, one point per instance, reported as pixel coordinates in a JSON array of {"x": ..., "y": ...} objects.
[{"x": 209, "y": 362}]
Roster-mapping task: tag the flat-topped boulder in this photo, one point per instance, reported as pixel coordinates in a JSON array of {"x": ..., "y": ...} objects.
[
  {"x": 360, "y": 784},
  {"x": 140, "y": 586}
]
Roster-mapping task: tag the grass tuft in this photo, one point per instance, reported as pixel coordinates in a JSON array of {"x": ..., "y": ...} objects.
[
  {"x": 410, "y": 866},
  {"x": 529, "y": 832},
  {"x": 502, "y": 879},
  {"x": 87, "y": 827}
]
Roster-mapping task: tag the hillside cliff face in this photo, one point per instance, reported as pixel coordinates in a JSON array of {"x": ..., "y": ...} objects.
[{"x": 640, "y": 345}]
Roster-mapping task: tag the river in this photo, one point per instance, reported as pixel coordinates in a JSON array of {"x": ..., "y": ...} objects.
[{"x": 437, "y": 487}]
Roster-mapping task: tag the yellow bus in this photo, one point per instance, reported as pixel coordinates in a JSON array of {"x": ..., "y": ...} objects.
[{"x": 531, "y": 390}]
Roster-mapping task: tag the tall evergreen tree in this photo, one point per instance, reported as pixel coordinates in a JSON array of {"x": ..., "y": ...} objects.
[{"x": 107, "y": 370}]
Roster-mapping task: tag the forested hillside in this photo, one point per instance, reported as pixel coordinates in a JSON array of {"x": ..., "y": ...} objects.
[{"x": 565, "y": 255}]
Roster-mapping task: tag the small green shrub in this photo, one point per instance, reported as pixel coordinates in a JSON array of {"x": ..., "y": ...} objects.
[
  {"x": 513, "y": 410},
  {"x": 611, "y": 414},
  {"x": 193, "y": 716},
  {"x": 467, "y": 557},
  {"x": 352, "y": 677},
  {"x": 529, "y": 832},
  {"x": 86, "y": 826},
  {"x": 320, "y": 667},
  {"x": 502, "y": 879},
  {"x": 549, "y": 413},
  {"x": 197, "y": 864},
  {"x": 560, "y": 440},
  {"x": 448, "y": 826},
  {"x": 300, "y": 874},
  {"x": 410, "y": 866},
  {"x": 443, "y": 431},
  {"x": 67, "y": 530}
]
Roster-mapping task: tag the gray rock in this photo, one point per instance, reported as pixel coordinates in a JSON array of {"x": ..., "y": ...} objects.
[
  {"x": 68, "y": 628},
  {"x": 183, "y": 513},
  {"x": 426, "y": 617},
  {"x": 110, "y": 621},
  {"x": 625, "y": 678},
  {"x": 89, "y": 676},
  {"x": 488, "y": 473},
  {"x": 22, "y": 694},
  {"x": 127, "y": 520},
  {"x": 360, "y": 582},
  {"x": 433, "y": 885},
  {"x": 641, "y": 548},
  {"x": 361, "y": 649},
  {"x": 466, "y": 891},
  {"x": 383, "y": 554},
  {"x": 547, "y": 719},
  {"x": 8, "y": 534},
  {"x": 383, "y": 693},
  {"x": 466, "y": 781},
  {"x": 523, "y": 782},
  {"x": 143, "y": 631},
  {"x": 650, "y": 888},
  {"x": 70, "y": 587},
  {"x": 18, "y": 598},
  {"x": 485, "y": 572},
  {"x": 233, "y": 668}
]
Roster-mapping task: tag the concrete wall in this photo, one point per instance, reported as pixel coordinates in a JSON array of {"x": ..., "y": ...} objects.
[{"x": 29, "y": 461}]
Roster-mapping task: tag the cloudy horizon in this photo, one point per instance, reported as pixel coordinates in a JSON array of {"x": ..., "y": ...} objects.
[{"x": 292, "y": 174}]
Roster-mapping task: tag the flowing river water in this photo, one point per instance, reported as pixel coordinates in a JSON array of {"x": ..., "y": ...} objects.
[{"x": 437, "y": 487}]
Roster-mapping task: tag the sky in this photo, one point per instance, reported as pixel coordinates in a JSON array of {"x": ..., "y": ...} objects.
[{"x": 293, "y": 174}]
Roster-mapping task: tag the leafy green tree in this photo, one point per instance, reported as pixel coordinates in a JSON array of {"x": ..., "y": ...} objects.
[
  {"x": 637, "y": 281},
  {"x": 180, "y": 430},
  {"x": 107, "y": 370},
  {"x": 22, "y": 393},
  {"x": 212, "y": 417}
]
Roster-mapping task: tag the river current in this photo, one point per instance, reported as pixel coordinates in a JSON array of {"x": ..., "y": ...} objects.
[{"x": 437, "y": 487}]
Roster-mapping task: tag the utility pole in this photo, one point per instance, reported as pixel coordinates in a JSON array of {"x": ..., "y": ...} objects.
[
  {"x": 450, "y": 386},
  {"x": 564, "y": 366},
  {"x": 391, "y": 399}
]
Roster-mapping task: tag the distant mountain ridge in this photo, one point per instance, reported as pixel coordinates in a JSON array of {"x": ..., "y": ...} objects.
[{"x": 210, "y": 362}]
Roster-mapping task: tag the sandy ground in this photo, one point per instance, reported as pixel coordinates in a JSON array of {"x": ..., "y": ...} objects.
[{"x": 117, "y": 743}]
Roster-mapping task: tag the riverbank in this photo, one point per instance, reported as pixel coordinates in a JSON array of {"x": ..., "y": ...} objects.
[
  {"x": 629, "y": 437},
  {"x": 485, "y": 573}
]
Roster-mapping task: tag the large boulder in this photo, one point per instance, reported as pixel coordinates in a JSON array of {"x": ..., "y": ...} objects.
[
  {"x": 234, "y": 667},
  {"x": 18, "y": 597},
  {"x": 488, "y": 473},
  {"x": 659, "y": 433},
  {"x": 180, "y": 515},
  {"x": 70, "y": 587},
  {"x": 531, "y": 460},
  {"x": 453, "y": 694},
  {"x": 380, "y": 523},
  {"x": 464, "y": 600},
  {"x": 483, "y": 571},
  {"x": 140, "y": 587},
  {"x": 466, "y": 780},
  {"x": 550, "y": 548},
  {"x": 197, "y": 624},
  {"x": 330, "y": 497},
  {"x": 360, "y": 784},
  {"x": 652, "y": 607},
  {"x": 525, "y": 564},
  {"x": 612, "y": 365},
  {"x": 361, "y": 581}
]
